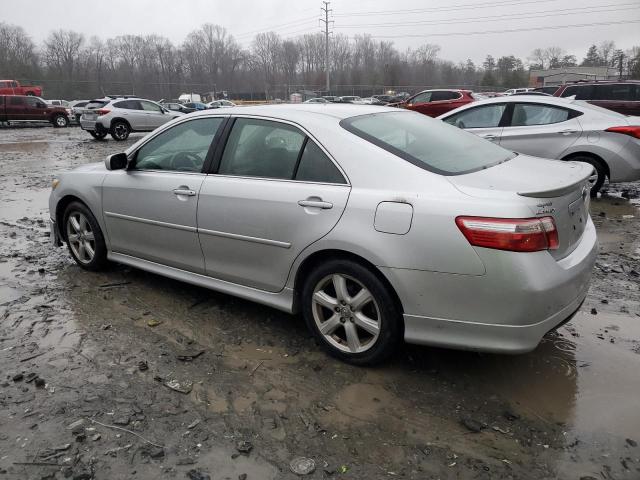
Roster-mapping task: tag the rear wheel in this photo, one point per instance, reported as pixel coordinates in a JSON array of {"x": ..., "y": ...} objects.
[
  {"x": 120, "y": 131},
  {"x": 84, "y": 237},
  {"x": 60, "y": 121},
  {"x": 351, "y": 312},
  {"x": 599, "y": 175},
  {"x": 97, "y": 135}
]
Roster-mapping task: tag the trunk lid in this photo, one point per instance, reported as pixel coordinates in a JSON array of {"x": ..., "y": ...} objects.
[{"x": 548, "y": 187}]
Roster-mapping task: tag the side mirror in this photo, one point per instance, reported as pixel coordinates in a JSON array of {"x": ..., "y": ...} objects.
[
  {"x": 117, "y": 161},
  {"x": 42, "y": 105}
]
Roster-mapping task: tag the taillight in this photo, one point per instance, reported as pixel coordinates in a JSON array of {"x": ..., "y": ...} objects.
[
  {"x": 631, "y": 130},
  {"x": 102, "y": 111},
  {"x": 513, "y": 234}
]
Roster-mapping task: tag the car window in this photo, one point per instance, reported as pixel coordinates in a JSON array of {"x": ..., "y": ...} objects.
[
  {"x": 582, "y": 92},
  {"x": 96, "y": 104},
  {"x": 15, "y": 100},
  {"x": 526, "y": 114},
  {"x": 421, "y": 98},
  {"x": 261, "y": 148},
  {"x": 182, "y": 148},
  {"x": 150, "y": 107},
  {"x": 613, "y": 91},
  {"x": 315, "y": 166},
  {"x": 32, "y": 101},
  {"x": 444, "y": 95},
  {"x": 486, "y": 116},
  {"x": 428, "y": 143},
  {"x": 4, "y": 84},
  {"x": 14, "y": 84}
]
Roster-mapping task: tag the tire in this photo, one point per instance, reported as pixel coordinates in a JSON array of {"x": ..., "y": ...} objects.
[
  {"x": 78, "y": 221},
  {"x": 341, "y": 318},
  {"x": 120, "y": 130},
  {"x": 601, "y": 172},
  {"x": 60, "y": 121},
  {"x": 97, "y": 135}
]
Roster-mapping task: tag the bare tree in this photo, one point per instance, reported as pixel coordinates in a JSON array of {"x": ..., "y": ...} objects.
[{"x": 605, "y": 50}]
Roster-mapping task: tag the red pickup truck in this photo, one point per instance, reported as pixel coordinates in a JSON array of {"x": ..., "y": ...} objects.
[
  {"x": 22, "y": 108},
  {"x": 12, "y": 87}
]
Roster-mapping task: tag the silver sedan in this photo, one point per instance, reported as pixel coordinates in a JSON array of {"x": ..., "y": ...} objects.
[
  {"x": 561, "y": 128},
  {"x": 377, "y": 225}
]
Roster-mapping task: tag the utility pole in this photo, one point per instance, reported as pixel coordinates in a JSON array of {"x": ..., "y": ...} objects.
[
  {"x": 326, "y": 22},
  {"x": 620, "y": 59}
]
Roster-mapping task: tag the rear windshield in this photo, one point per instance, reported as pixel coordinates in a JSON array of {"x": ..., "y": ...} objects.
[
  {"x": 426, "y": 142},
  {"x": 96, "y": 104}
]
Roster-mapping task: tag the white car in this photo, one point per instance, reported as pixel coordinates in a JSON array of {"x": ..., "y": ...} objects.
[
  {"x": 511, "y": 91},
  {"x": 221, "y": 104},
  {"x": 559, "y": 128}
]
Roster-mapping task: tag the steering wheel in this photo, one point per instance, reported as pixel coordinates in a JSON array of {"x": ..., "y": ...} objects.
[{"x": 186, "y": 161}]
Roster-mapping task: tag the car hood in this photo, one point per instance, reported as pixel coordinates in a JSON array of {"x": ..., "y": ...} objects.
[
  {"x": 91, "y": 167},
  {"x": 525, "y": 175}
]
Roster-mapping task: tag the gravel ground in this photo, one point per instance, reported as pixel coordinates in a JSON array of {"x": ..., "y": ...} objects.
[{"x": 124, "y": 374}]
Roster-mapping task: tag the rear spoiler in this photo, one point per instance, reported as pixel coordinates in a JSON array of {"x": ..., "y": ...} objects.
[{"x": 581, "y": 175}]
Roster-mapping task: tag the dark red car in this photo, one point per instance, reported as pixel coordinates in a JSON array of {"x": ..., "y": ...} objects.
[
  {"x": 621, "y": 97},
  {"x": 437, "y": 102},
  {"x": 19, "y": 108}
]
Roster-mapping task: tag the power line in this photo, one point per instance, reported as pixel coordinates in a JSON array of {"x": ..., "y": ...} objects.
[
  {"x": 283, "y": 26},
  {"x": 513, "y": 16},
  {"x": 450, "y": 8},
  {"x": 528, "y": 29}
]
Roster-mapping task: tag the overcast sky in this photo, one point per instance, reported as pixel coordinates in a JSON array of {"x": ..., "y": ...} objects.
[{"x": 452, "y": 24}]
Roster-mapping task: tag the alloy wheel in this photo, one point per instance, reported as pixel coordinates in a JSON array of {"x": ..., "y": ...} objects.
[
  {"x": 81, "y": 238},
  {"x": 121, "y": 131},
  {"x": 346, "y": 313}
]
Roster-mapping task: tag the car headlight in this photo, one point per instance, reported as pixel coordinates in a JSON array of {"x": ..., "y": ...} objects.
[{"x": 55, "y": 183}]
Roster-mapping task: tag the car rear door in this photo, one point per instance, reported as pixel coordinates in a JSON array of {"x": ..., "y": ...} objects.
[
  {"x": 273, "y": 193},
  {"x": 150, "y": 208},
  {"x": 154, "y": 115},
  {"x": 443, "y": 101},
  {"x": 541, "y": 130},
  {"x": 16, "y": 107},
  {"x": 484, "y": 120}
]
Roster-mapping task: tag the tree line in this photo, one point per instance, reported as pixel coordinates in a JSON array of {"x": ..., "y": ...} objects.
[{"x": 70, "y": 65}]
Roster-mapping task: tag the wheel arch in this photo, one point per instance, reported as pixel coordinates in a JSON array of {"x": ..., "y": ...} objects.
[
  {"x": 594, "y": 156},
  {"x": 120, "y": 119},
  {"x": 61, "y": 207},
  {"x": 317, "y": 257}
]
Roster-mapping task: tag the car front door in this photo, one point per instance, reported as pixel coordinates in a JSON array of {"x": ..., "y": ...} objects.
[
  {"x": 150, "y": 208},
  {"x": 484, "y": 120},
  {"x": 154, "y": 115},
  {"x": 35, "y": 109},
  {"x": 274, "y": 192},
  {"x": 420, "y": 103},
  {"x": 542, "y": 130}
]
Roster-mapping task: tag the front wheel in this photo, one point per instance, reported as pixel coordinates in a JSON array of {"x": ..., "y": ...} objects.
[
  {"x": 351, "y": 312},
  {"x": 84, "y": 237},
  {"x": 60, "y": 121},
  {"x": 120, "y": 131},
  {"x": 97, "y": 135}
]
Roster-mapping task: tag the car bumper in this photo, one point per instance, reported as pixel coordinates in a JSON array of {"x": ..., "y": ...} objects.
[
  {"x": 508, "y": 310},
  {"x": 624, "y": 166},
  {"x": 92, "y": 125},
  {"x": 56, "y": 238}
]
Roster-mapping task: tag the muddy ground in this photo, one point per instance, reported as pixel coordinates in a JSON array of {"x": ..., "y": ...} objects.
[{"x": 85, "y": 360}]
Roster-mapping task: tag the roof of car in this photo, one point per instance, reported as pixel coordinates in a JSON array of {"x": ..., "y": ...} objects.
[{"x": 299, "y": 110}]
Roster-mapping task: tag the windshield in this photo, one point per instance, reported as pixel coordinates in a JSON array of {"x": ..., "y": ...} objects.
[
  {"x": 428, "y": 143},
  {"x": 93, "y": 104}
]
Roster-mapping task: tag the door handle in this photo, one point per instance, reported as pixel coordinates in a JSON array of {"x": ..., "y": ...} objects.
[
  {"x": 566, "y": 132},
  {"x": 489, "y": 136},
  {"x": 183, "y": 190},
  {"x": 315, "y": 204}
]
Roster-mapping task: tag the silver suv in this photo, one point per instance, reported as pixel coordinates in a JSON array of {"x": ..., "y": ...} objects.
[{"x": 120, "y": 116}]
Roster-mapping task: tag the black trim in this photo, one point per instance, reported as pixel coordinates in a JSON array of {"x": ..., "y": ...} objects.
[
  {"x": 505, "y": 120},
  {"x": 221, "y": 145},
  {"x": 208, "y": 159},
  {"x": 304, "y": 145}
]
